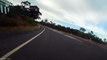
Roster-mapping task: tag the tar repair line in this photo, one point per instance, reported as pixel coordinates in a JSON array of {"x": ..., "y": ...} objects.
[{"x": 20, "y": 46}]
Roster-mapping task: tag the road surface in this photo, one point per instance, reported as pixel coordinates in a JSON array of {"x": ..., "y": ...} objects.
[{"x": 47, "y": 44}]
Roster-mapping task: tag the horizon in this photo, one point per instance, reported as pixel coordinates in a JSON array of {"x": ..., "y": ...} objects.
[{"x": 90, "y": 14}]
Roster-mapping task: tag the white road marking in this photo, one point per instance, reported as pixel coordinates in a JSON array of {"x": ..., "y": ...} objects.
[
  {"x": 72, "y": 38},
  {"x": 20, "y": 46},
  {"x": 75, "y": 38},
  {"x": 64, "y": 34}
]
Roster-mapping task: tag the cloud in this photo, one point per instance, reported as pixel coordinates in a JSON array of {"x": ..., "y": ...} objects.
[
  {"x": 18, "y": 2},
  {"x": 90, "y": 14},
  {"x": 77, "y": 12},
  {"x": 98, "y": 4},
  {"x": 15, "y": 2}
]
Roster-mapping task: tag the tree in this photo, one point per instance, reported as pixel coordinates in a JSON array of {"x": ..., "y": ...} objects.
[
  {"x": 82, "y": 29},
  {"x": 104, "y": 39},
  {"x": 26, "y": 4},
  {"x": 46, "y": 20},
  {"x": 34, "y": 12},
  {"x": 91, "y": 32},
  {"x": 26, "y": 9}
]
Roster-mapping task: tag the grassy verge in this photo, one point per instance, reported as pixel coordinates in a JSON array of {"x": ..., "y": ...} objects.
[
  {"x": 17, "y": 23},
  {"x": 18, "y": 28}
]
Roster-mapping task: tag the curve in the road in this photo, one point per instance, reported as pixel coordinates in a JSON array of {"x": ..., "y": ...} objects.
[{"x": 20, "y": 46}]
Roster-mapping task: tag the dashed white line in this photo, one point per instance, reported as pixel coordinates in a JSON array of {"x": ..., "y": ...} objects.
[{"x": 20, "y": 46}]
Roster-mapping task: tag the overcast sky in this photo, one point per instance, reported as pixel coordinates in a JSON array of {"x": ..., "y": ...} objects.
[{"x": 90, "y": 14}]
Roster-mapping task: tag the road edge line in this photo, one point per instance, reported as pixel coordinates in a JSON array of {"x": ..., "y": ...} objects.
[
  {"x": 64, "y": 34},
  {"x": 4, "y": 57}
]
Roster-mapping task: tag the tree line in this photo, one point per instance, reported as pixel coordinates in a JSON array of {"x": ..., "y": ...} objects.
[
  {"x": 81, "y": 33},
  {"x": 25, "y": 14},
  {"x": 20, "y": 15}
]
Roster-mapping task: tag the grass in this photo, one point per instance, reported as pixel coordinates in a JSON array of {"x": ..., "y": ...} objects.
[
  {"x": 17, "y": 23},
  {"x": 18, "y": 28}
]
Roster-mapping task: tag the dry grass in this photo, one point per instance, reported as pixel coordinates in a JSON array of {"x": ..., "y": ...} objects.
[
  {"x": 17, "y": 23},
  {"x": 19, "y": 28}
]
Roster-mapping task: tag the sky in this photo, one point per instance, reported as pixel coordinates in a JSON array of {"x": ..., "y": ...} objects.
[{"x": 90, "y": 14}]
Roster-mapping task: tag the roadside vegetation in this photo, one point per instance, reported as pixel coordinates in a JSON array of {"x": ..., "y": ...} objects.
[
  {"x": 81, "y": 32},
  {"x": 20, "y": 17}
]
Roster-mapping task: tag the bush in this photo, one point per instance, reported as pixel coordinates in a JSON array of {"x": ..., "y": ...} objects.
[{"x": 6, "y": 21}]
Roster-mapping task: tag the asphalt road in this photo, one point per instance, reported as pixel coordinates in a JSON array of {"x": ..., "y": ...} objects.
[{"x": 49, "y": 45}]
